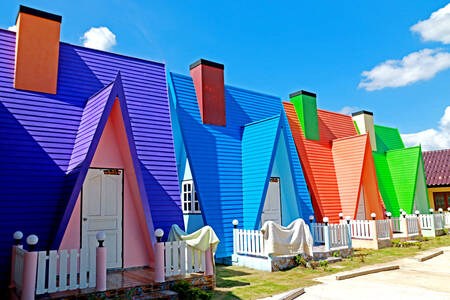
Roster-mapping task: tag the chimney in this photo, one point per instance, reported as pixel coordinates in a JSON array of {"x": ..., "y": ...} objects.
[
  {"x": 306, "y": 107},
  {"x": 37, "y": 50},
  {"x": 210, "y": 89},
  {"x": 364, "y": 121}
]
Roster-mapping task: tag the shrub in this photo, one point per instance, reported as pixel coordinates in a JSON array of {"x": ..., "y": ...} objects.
[{"x": 186, "y": 292}]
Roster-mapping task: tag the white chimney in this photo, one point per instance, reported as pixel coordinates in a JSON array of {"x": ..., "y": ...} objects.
[{"x": 364, "y": 121}]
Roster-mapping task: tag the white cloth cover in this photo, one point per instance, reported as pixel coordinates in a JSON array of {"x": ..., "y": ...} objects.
[
  {"x": 200, "y": 239},
  {"x": 294, "y": 239}
]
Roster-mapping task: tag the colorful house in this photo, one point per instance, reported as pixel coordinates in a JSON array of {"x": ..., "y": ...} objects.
[
  {"x": 400, "y": 170},
  {"x": 337, "y": 162},
  {"x": 86, "y": 146},
  {"x": 437, "y": 172},
  {"x": 235, "y": 154}
]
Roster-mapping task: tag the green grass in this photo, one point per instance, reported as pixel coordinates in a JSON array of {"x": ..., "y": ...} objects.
[{"x": 244, "y": 283}]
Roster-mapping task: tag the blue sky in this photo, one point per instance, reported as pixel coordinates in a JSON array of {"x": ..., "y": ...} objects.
[{"x": 319, "y": 46}]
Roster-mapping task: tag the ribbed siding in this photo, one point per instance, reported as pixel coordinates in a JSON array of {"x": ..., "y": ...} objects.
[
  {"x": 258, "y": 145},
  {"x": 403, "y": 165},
  {"x": 385, "y": 184},
  {"x": 437, "y": 167},
  {"x": 387, "y": 138},
  {"x": 38, "y": 133},
  {"x": 215, "y": 153}
]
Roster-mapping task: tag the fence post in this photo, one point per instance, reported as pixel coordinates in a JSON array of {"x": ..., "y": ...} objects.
[
  {"x": 404, "y": 224},
  {"x": 235, "y": 237},
  {"x": 160, "y": 275},
  {"x": 419, "y": 223},
  {"x": 326, "y": 234},
  {"x": 209, "y": 268},
  {"x": 433, "y": 225},
  {"x": 311, "y": 219},
  {"x": 391, "y": 227},
  {"x": 18, "y": 235},
  {"x": 100, "y": 263},
  {"x": 349, "y": 232},
  {"x": 29, "y": 269}
]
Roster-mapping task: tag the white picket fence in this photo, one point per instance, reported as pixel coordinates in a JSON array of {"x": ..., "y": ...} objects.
[
  {"x": 64, "y": 270},
  {"x": 413, "y": 225},
  {"x": 383, "y": 229},
  {"x": 361, "y": 229},
  {"x": 396, "y": 224},
  {"x": 18, "y": 268},
  {"x": 181, "y": 259},
  {"x": 447, "y": 220},
  {"x": 250, "y": 242},
  {"x": 426, "y": 222},
  {"x": 338, "y": 235},
  {"x": 438, "y": 221}
]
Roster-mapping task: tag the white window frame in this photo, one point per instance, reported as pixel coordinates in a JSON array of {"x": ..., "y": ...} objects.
[{"x": 189, "y": 198}]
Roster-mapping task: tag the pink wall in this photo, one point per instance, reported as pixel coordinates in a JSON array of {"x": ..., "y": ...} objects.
[{"x": 113, "y": 152}]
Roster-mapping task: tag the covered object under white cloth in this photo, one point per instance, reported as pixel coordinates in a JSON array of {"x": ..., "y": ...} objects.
[
  {"x": 201, "y": 239},
  {"x": 293, "y": 239}
]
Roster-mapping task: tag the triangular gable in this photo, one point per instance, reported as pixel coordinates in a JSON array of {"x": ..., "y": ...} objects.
[
  {"x": 421, "y": 202},
  {"x": 348, "y": 156},
  {"x": 385, "y": 184},
  {"x": 94, "y": 118},
  {"x": 258, "y": 147},
  {"x": 403, "y": 165},
  {"x": 387, "y": 138}
]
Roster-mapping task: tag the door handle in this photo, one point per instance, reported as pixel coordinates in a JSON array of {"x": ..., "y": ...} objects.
[{"x": 84, "y": 219}]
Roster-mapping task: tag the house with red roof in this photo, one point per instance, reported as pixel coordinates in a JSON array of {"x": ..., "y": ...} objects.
[
  {"x": 437, "y": 172},
  {"x": 337, "y": 162}
]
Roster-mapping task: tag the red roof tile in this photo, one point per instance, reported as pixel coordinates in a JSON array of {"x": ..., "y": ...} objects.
[{"x": 437, "y": 167}]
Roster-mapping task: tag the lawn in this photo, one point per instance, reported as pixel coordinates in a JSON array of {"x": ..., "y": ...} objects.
[{"x": 244, "y": 283}]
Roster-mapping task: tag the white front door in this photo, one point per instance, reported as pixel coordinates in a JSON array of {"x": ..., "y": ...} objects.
[
  {"x": 272, "y": 204},
  {"x": 102, "y": 211}
]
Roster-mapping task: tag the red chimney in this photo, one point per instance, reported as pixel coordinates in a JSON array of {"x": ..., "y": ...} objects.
[
  {"x": 37, "y": 51},
  {"x": 210, "y": 89}
]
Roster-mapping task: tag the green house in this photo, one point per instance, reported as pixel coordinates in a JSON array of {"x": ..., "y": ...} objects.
[{"x": 400, "y": 170}]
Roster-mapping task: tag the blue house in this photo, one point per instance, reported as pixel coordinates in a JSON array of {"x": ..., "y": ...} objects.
[
  {"x": 236, "y": 157},
  {"x": 85, "y": 146}
]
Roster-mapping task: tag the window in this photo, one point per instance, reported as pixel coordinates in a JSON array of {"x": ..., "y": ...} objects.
[
  {"x": 189, "y": 197},
  {"x": 441, "y": 200}
]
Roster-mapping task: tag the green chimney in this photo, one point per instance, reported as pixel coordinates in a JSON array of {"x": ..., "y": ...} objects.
[{"x": 306, "y": 108}]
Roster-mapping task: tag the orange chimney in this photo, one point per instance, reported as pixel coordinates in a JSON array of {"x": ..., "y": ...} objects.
[
  {"x": 209, "y": 86},
  {"x": 37, "y": 50}
]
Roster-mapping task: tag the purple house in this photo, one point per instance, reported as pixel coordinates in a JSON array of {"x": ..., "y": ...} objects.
[{"x": 85, "y": 146}]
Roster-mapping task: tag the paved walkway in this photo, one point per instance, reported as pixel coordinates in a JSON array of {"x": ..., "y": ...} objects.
[{"x": 414, "y": 280}]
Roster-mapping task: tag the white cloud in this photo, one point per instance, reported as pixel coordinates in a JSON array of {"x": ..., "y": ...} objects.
[
  {"x": 100, "y": 38},
  {"x": 436, "y": 27},
  {"x": 12, "y": 28},
  {"x": 432, "y": 139},
  {"x": 347, "y": 110},
  {"x": 416, "y": 66}
]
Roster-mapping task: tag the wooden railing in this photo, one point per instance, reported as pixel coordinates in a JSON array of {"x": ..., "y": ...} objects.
[
  {"x": 438, "y": 221},
  {"x": 383, "y": 229},
  {"x": 361, "y": 229},
  {"x": 426, "y": 222},
  {"x": 447, "y": 220},
  {"x": 412, "y": 225},
  {"x": 332, "y": 236},
  {"x": 396, "y": 224},
  {"x": 64, "y": 270},
  {"x": 249, "y": 242},
  {"x": 181, "y": 259}
]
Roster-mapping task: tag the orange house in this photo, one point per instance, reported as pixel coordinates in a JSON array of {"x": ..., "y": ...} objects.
[{"x": 337, "y": 162}]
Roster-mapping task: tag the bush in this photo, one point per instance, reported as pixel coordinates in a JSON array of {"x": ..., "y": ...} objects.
[
  {"x": 301, "y": 261},
  {"x": 186, "y": 292}
]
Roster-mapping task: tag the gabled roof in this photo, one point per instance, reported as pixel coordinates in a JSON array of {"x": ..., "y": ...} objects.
[
  {"x": 216, "y": 153},
  {"x": 258, "y": 152},
  {"x": 40, "y": 131},
  {"x": 333, "y": 165},
  {"x": 397, "y": 170},
  {"x": 437, "y": 167}
]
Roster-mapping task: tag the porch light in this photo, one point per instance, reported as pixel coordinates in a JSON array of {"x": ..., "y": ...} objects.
[
  {"x": 373, "y": 215},
  {"x": 404, "y": 214},
  {"x": 389, "y": 214},
  {"x": 440, "y": 210},
  {"x": 325, "y": 220},
  {"x": 311, "y": 217},
  {"x": 235, "y": 223},
  {"x": 431, "y": 211},
  {"x": 341, "y": 216},
  {"x": 32, "y": 241},
  {"x": 101, "y": 236},
  {"x": 18, "y": 235},
  {"x": 159, "y": 234},
  {"x": 347, "y": 218},
  {"x": 417, "y": 213}
]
